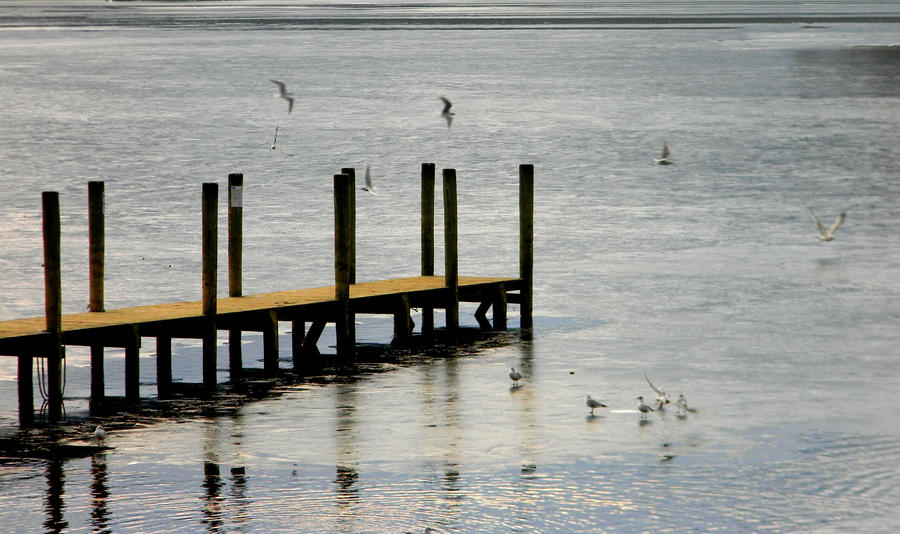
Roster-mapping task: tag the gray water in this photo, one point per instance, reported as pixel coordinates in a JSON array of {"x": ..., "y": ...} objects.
[{"x": 706, "y": 274}]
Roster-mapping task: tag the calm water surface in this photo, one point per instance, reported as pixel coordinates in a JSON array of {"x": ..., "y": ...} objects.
[{"x": 706, "y": 275}]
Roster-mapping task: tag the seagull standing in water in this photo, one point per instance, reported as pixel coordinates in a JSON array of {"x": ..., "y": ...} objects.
[
  {"x": 661, "y": 396},
  {"x": 514, "y": 375},
  {"x": 828, "y": 235},
  {"x": 446, "y": 113},
  {"x": 643, "y": 408},
  {"x": 663, "y": 158},
  {"x": 283, "y": 93},
  {"x": 369, "y": 187},
  {"x": 100, "y": 434},
  {"x": 591, "y": 403}
]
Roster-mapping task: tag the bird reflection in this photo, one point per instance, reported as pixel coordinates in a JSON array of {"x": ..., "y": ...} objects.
[{"x": 99, "y": 495}]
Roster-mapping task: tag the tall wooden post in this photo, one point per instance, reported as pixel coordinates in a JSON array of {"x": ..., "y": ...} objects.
[
  {"x": 97, "y": 252},
  {"x": 235, "y": 274},
  {"x": 270, "y": 344},
  {"x": 53, "y": 303},
  {"x": 132, "y": 365},
  {"x": 209, "y": 259},
  {"x": 427, "y": 239},
  {"x": 526, "y": 242},
  {"x": 164, "y": 367},
  {"x": 451, "y": 261},
  {"x": 342, "y": 260},
  {"x": 26, "y": 390},
  {"x": 351, "y": 172}
]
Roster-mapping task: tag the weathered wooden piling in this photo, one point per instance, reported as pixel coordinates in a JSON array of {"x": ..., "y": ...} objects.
[
  {"x": 97, "y": 252},
  {"x": 351, "y": 172},
  {"x": 235, "y": 266},
  {"x": 164, "y": 366},
  {"x": 427, "y": 239},
  {"x": 298, "y": 335},
  {"x": 451, "y": 260},
  {"x": 53, "y": 304},
  {"x": 526, "y": 243},
  {"x": 26, "y": 390},
  {"x": 209, "y": 260},
  {"x": 132, "y": 341},
  {"x": 342, "y": 260}
]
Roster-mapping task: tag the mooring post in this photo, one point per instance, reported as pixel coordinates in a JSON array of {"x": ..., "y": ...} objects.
[
  {"x": 53, "y": 303},
  {"x": 427, "y": 239},
  {"x": 209, "y": 260},
  {"x": 342, "y": 260},
  {"x": 351, "y": 172},
  {"x": 26, "y": 390},
  {"x": 97, "y": 251},
  {"x": 270, "y": 344},
  {"x": 164, "y": 367},
  {"x": 235, "y": 273},
  {"x": 298, "y": 334},
  {"x": 526, "y": 242},
  {"x": 451, "y": 260},
  {"x": 132, "y": 365}
]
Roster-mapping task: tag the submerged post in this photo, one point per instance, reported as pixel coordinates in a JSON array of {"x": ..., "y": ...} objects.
[
  {"x": 97, "y": 251},
  {"x": 342, "y": 260},
  {"x": 451, "y": 260},
  {"x": 209, "y": 260},
  {"x": 427, "y": 239},
  {"x": 53, "y": 303},
  {"x": 526, "y": 242},
  {"x": 235, "y": 260}
]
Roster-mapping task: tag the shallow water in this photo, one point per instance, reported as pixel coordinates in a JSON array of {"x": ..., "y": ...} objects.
[{"x": 706, "y": 275}]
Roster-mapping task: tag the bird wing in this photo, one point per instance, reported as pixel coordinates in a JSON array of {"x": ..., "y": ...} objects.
[
  {"x": 665, "y": 151},
  {"x": 290, "y": 103},
  {"x": 656, "y": 389},
  {"x": 837, "y": 222},
  {"x": 368, "y": 178},
  {"x": 281, "y": 86},
  {"x": 447, "y": 105},
  {"x": 818, "y": 223}
]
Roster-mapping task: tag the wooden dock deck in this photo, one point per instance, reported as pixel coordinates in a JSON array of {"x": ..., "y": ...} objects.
[{"x": 45, "y": 338}]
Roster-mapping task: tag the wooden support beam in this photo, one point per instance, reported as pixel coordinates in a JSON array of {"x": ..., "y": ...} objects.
[
  {"x": 132, "y": 367},
  {"x": 209, "y": 260},
  {"x": 53, "y": 303},
  {"x": 298, "y": 334},
  {"x": 526, "y": 243},
  {"x": 312, "y": 337},
  {"x": 342, "y": 260},
  {"x": 164, "y": 367},
  {"x": 481, "y": 315},
  {"x": 428, "y": 239},
  {"x": 451, "y": 261},
  {"x": 402, "y": 320},
  {"x": 235, "y": 267},
  {"x": 499, "y": 305},
  {"x": 97, "y": 252},
  {"x": 270, "y": 344},
  {"x": 26, "y": 390}
]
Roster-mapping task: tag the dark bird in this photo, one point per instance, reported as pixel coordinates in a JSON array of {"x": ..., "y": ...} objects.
[
  {"x": 283, "y": 93},
  {"x": 446, "y": 113}
]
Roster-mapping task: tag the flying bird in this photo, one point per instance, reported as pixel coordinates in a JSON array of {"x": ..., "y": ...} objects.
[
  {"x": 661, "y": 396},
  {"x": 446, "y": 113},
  {"x": 828, "y": 235},
  {"x": 514, "y": 375},
  {"x": 275, "y": 140},
  {"x": 592, "y": 403},
  {"x": 283, "y": 93},
  {"x": 369, "y": 187},
  {"x": 663, "y": 158}
]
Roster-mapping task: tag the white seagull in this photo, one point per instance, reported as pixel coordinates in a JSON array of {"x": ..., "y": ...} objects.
[
  {"x": 100, "y": 434},
  {"x": 829, "y": 234},
  {"x": 663, "y": 158},
  {"x": 275, "y": 140},
  {"x": 283, "y": 93},
  {"x": 643, "y": 408},
  {"x": 446, "y": 113},
  {"x": 661, "y": 396},
  {"x": 514, "y": 375},
  {"x": 369, "y": 187},
  {"x": 591, "y": 403}
]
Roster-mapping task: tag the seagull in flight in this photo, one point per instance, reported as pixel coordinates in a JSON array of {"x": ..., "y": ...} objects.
[
  {"x": 514, "y": 375},
  {"x": 283, "y": 93},
  {"x": 275, "y": 140},
  {"x": 661, "y": 396},
  {"x": 663, "y": 158},
  {"x": 446, "y": 113},
  {"x": 369, "y": 187},
  {"x": 828, "y": 235},
  {"x": 592, "y": 403}
]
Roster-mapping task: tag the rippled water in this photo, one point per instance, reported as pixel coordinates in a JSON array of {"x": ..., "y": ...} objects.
[{"x": 706, "y": 275}]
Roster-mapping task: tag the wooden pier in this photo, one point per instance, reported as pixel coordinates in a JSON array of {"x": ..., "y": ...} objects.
[{"x": 46, "y": 337}]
